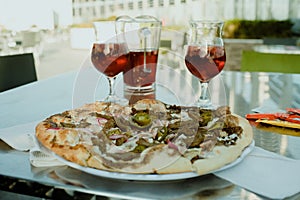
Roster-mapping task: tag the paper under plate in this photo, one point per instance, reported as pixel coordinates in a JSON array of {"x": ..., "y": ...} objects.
[
  {"x": 280, "y": 123},
  {"x": 150, "y": 177}
]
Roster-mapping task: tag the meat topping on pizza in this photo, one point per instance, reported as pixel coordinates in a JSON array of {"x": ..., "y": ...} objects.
[{"x": 180, "y": 128}]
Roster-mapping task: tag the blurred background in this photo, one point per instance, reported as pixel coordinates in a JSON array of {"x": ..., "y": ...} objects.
[{"x": 60, "y": 32}]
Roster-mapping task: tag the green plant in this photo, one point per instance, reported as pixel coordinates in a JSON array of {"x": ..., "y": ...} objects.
[{"x": 257, "y": 29}]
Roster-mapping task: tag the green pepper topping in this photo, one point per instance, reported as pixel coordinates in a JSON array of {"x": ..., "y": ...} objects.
[
  {"x": 162, "y": 134},
  {"x": 113, "y": 132},
  {"x": 141, "y": 118},
  {"x": 139, "y": 149},
  {"x": 217, "y": 125},
  {"x": 206, "y": 116}
]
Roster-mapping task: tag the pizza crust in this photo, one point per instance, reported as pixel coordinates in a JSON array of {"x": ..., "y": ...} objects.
[
  {"x": 150, "y": 104},
  {"x": 223, "y": 155},
  {"x": 64, "y": 143}
]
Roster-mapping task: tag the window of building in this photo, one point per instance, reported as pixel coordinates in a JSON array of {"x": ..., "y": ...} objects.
[
  {"x": 112, "y": 7},
  {"x": 121, "y": 6},
  {"x": 183, "y": 1},
  {"x": 94, "y": 11},
  {"x": 150, "y": 3},
  {"x": 102, "y": 9},
  {"x": 161, "y": 3},
  {"x": 86, "y": 11},
  {"x": 140, "y": 4},
  {"x": 130, "y": 5},
  {"x": 172, "y": 2}
]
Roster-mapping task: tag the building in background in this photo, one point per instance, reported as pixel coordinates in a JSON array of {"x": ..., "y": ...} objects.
[
  {"x": 51, "y": 14},
  {"x": 180, "y": 11}
]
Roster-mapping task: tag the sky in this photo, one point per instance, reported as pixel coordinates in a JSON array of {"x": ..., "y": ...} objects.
[{"x": 22, "y": 14}]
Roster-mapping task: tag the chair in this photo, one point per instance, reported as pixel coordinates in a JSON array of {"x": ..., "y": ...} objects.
[
  {"x": 270, "y": 62},
  {"x": 16, "y": 70},
  {"x": 30, "y": 39},
  {"x": 3, "y": 44}
]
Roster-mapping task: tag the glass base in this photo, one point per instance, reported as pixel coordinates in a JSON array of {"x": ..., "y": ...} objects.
[
  {"x": 134, "y": 94},
  {"x": 116, "y": 99},
  {"x": 206, "y": 104},
  {"x": 144, "y": 89}
]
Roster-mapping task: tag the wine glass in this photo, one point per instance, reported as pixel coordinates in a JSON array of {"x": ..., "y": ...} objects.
[
  {"x": 205, "y": 55},
  {"x": 109, "y": 55}
]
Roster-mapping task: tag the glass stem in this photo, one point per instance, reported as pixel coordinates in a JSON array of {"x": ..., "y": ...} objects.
[
  {"x": 112, "y": 96},
  {"x": 111, "y": 82},
  {"x": 204, "y": 100},
  {"x": 204, "y": 88}
]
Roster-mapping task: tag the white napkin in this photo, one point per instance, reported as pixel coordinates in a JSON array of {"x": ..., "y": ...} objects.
[
  {"x": 21, "y": 138},
  {"x": 266, "y": 173},
  {"x": 39, "y": 158}
]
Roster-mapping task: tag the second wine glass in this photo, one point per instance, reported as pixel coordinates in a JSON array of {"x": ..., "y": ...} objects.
[
  {"x": 109, "y": 55},
  {"x": 205, "y": 56}
]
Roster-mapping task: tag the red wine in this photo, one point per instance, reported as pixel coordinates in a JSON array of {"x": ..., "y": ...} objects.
[
  {"x": 110, "y": 59},
  {"x": 205, "y": 63},
  {"x": 136, "y": 73}
]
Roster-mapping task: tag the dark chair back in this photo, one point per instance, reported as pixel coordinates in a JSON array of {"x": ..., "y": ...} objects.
[{"x": 16, "y": 70}]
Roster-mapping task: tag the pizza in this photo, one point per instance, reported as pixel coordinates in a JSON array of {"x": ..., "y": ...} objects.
[{"x": 147, "y": 137}]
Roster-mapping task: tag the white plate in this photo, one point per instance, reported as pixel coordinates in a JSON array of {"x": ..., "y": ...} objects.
[{"x": 150, "y": 177}]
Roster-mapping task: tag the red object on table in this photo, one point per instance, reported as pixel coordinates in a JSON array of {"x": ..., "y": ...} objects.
[{"x": 294, "y": 117}]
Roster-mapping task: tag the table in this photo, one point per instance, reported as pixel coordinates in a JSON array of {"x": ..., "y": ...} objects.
[
  {"x": 242, "y": 91},
  {"x": 277, "y": 49}
]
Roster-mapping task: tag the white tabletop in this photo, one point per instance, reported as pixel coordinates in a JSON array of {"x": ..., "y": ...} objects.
[
  {"x": 38, "y": 100},
  {"x": 242, "y": 91}
]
